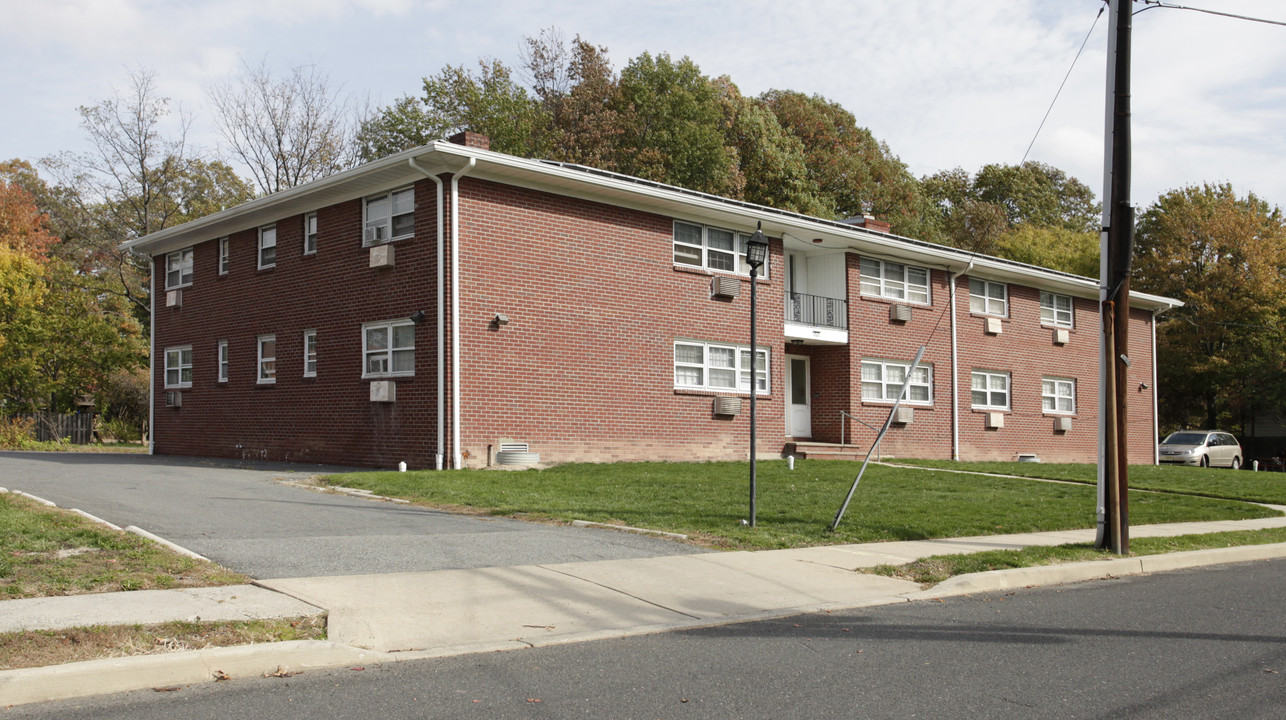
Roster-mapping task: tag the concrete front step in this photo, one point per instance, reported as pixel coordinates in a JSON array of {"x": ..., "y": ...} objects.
[{"x": 825, "y": 451}]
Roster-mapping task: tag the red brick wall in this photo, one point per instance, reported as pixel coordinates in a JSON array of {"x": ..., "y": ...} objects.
[
  {"x": 328, "y": 418},
  {"x": 585, "y": 368}
]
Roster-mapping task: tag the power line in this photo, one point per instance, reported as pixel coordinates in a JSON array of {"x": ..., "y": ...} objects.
[
  {"x": 1062, "y": 84},
  {"x": 1169, "y": 6}
]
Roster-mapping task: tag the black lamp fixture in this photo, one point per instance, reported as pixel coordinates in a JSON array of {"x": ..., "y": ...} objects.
[
  {"x": 756, "y": 255},
  {"x": 417, "y": 317}
]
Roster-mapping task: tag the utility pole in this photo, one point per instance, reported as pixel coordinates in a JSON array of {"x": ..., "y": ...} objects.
[{"x": 1116, "y": 247}]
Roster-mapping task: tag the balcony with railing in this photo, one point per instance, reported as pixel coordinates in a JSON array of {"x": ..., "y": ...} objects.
[{"x": 816, "y": 311}]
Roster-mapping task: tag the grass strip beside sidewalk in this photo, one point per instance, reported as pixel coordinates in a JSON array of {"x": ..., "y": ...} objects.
[
  {"x": 708, "y": 501},
  {"x": 936, "y": 568},
  {"x": 40, "y": 648},
  {"x": 1262, "y": 487},
  {"x": 48, "y": 551}
]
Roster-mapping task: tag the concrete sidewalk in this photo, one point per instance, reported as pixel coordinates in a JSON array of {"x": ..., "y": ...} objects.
[{"x": 385, "y": 618}]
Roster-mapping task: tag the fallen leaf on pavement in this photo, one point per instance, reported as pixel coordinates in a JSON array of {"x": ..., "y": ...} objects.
[
  {"x": 283, "y": 672},
  {"x": 357, "y": 667},
  {"x": 168, "y": 688},
  {"x": 220, "y": 676}
]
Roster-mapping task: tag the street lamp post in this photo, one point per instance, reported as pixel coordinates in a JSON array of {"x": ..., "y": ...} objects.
[{"x": 756, "y": 254}]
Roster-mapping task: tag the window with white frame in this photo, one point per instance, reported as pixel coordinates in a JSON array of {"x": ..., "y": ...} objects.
[
  {"x": 310, "y": 233},
  {"x": 310, "y": 353},
  {"x": 990, "y": 390},
  {"x": 718, "y": 367},
  {"x": 267, "y": 359},
  {"x": 178, "y": 367},
  {"x": 895, "y": 281},
  {"x": 712, "y": 248},
  {"x": 882, "y": 381},
  {"x": 267, "y": 246},
  {"x": 178, "y": 269},
  {"x": 1058, "y": 395},
  {"x": 988, "y": 298},
  {"x": 390, "y": 216},
  {"x": 225, "y": 251},
  {"x": 223, "y": 361},
  {"x": 1055, "y": 309},
  {"x": 388, "y": 348}
]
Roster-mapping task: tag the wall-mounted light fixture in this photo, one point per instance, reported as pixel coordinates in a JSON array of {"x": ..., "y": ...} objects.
[
  {"x": 1143, "y": 386},
  {"x": 417, "y": 317},
  {"x": 500, "y": 319}
]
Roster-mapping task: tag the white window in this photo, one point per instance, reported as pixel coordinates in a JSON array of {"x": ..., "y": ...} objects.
[
  {"x": 1058, "y": 395},
  {"x": 882, "y": 381},
  {"x": 178, "y": 269},
  {"x": 988, "y": 298},
  {"x": 990, "y": 390},
  {"x": 225, "y": 251},
  {"x": 713, "y": 366},
  {"x": 267, "y": 359},
  {"x": 895, "y": 281},
  {"x": 1055, "y": 309},
  {"x": 390, "y": 216},
  {"x": 712, "y": 248},
  {"x": 388, "y": 348},
  {"x": 267, "y": 246},
  {"x": 223, "y": 361},
  {"x": 310, "y": 233},
  {"x": 310, "y": 353},
  {"x": 178, "y": 367}
]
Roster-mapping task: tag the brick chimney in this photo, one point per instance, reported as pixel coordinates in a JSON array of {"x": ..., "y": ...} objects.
[
  {"x": 469, "y": 138},
  {"x": 869, "y": 222}
]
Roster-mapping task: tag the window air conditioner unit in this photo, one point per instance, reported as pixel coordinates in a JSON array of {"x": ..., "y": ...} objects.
[
  {"x": 995, "y": 420},
  {"x": 374, "y": 234},
  {"x": 382, "y": 256},
  {"x": 1061, "y": 336},
  {"x": 724, "y": 405},
  {"x": 1062, "y": 424},
  {"x": 383, "y": 391},
  {"x": 993, "y": 326},
  {"x": 904, "y": 416},
  {"x": 725, "y": 287},
  {"x": 174, "y": 298},
  {"x": 900, "y": 313},
  {"x": 173, "y": 398}
]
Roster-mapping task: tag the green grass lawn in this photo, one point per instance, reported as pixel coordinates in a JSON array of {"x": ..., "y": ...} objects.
[
  {"x": 795, "y": 508},
  {"x": 1262, "y": 487},
  {"x": 50, "y": 551}
]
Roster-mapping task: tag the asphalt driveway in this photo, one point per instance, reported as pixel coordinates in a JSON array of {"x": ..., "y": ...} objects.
[{"x": 240, "y": 516}]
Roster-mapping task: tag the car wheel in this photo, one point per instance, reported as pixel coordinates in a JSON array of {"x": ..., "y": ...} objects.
[
  {"x": 1236, "y": 463},
  {"x": 1205, "y": 461}
]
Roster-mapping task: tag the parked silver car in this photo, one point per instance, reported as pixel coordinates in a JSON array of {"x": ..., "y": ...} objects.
[{"x": 1201, "y": 447}]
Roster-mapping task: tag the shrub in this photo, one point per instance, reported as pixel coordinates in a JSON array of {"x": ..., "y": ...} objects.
[
  {"x": 123, "y": 430},
  {"x": 15, "y": 433}
]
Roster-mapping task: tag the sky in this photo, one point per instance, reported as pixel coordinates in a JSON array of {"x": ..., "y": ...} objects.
[{"x": 944, "y": 83}]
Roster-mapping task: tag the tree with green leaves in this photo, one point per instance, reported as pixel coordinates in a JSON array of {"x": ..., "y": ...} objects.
[{"x": 1222, "y": 356}]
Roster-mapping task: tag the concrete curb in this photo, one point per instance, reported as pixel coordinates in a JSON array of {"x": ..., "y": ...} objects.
[
  {"x": 95, "y": 677},
  {"x": 996, "y": 580}
]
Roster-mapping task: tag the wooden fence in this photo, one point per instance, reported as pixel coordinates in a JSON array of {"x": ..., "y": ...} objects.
[{"x": 77, "y": 428}]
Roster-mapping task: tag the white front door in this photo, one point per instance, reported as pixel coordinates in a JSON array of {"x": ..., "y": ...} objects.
[{"x": 800, "y": 414}]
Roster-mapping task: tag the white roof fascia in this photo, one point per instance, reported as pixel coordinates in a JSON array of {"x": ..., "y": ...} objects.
[{"x": 617, "y": 190}]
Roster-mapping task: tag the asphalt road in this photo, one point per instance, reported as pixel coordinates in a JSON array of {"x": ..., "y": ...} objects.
[
  {"x": 239, "y": 516},
  {"x": 1205, "y": 643}
]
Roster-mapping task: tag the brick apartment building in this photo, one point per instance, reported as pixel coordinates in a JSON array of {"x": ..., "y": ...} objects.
[{"x": 444, "y": 304}]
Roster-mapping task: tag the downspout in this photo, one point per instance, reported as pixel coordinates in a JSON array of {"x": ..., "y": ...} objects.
[
  {"x": 455, "y": 310},
  {"x": 442, "y": 424},
  {"x": 1156, "y": 419},
  {"x": 955, "y": 362},
  {"x": 151, "y": 359}
]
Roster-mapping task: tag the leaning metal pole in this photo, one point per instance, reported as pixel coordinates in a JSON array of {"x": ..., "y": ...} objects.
[{"x": 906, "y": 383}]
